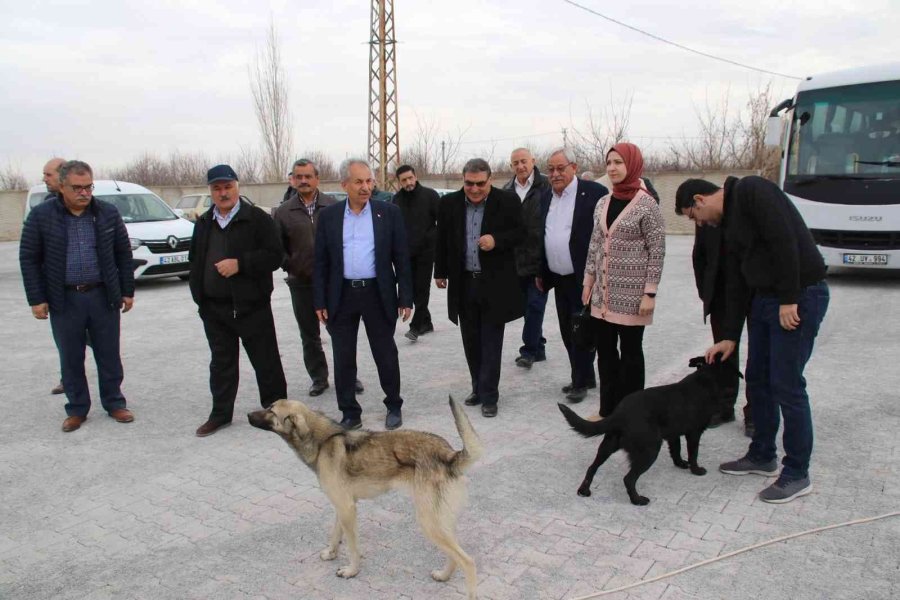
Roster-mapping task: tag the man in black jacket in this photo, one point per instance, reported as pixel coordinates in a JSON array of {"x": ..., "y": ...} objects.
[
  {"x": 76, "y": 267},
  {"x": 479, "y": 228},
  {"x": 529, "y": 185},
  {"x": 771, "y": 264},
  {"x": 419, "y": 206},
  {"x": 234, "y": 250}
]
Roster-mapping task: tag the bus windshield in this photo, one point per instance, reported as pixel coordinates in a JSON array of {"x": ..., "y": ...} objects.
[{"x": 848, "y": 132}]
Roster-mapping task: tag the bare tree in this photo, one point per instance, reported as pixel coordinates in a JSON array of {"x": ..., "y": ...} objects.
[
  {"x": 602, "y": 131},
  {"x": 268, "y": 83},
  {"x": 248, "y": 165},
  {"x": 11, "y": 178},
  {"x": 433, "y": 150},
  {"x": 328, "y": 171}
]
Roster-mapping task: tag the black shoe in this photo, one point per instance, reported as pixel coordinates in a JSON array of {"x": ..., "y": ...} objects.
[
  {"x": 411, "y": 335},
  {"x": 472, "y": 400},
  {"x": 317, "y": 388},
  {"x": 568, "y": 388},
  {"x": 524, "y": 361},
  {"x": 58, "y": 389},
  {"x": 576, "y": 395},
  {"x": 393, "y": 420},
  {"x": 541, "y": 357},
  {"x": 359, "y": 387},
  {"x": 427, "y": 328},
  {"x": 488, "y": 410},
  {"x": 350, "y": 424}
]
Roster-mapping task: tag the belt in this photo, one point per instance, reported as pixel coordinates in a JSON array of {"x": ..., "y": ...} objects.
[
  {"x": 473, "y": 274},
  {"x": 84, "y": 287},
  {"x": 360, "y": 283}
]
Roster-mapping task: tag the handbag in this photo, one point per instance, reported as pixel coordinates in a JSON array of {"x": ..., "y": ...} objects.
[{"x": 583, "y": 335}]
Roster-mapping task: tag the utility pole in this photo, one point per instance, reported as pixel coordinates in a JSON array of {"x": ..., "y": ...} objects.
[{"x": 384, "y": 142}]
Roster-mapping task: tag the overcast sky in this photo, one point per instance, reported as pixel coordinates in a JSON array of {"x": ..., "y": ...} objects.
[{"x": 105, "y": 81}]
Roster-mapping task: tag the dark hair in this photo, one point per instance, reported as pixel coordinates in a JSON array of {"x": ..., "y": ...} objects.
[
  {"x": 74, "y": 166},
  {"x": 305, "y": 162},
  {"x": 403, "y": 169},
  {"x": 684, "y": 196},
  {"x": 477, "y": 165}
]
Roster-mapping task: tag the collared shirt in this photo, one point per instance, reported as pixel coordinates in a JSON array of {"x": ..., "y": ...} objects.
[
  {"x": 311, "y": 207},
  {"x": 522, "y": 190},
  {"x": 474, "y": 217},
  {"x": 558, "y": 230},
  {"x": 82, "y": 265},
  {"x": 359, "y": 243},
  {"x": 224, "y": 220}
]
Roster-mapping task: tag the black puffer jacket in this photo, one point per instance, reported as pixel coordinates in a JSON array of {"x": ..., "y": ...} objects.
[{"x": 529, "y": 252}]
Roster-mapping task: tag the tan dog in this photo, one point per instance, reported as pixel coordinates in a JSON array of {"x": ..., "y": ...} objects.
[{"x": 351, "y": 465}]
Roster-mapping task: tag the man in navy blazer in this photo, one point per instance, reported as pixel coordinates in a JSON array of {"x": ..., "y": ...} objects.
[
  {"x": 361, "y": 258},
  {"x": 567, "y": 212}
]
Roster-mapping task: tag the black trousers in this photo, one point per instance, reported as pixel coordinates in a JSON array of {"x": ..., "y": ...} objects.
[
  {"x": 620, "y": 360},
  {"x": 363, "y": 303},
  {"x": 88, "y": 319},
  {"x": 256, "y": 331},
  {"x": 310, "y": 337},
  {"x": 567, "y": 292},
  {"x": 482, "y": 342},
  {"x": 422, "y": 267},
  {"x": 729, "y": 392}
]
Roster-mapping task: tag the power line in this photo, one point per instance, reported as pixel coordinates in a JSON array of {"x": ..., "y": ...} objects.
[{"x": 677, "y": 45}]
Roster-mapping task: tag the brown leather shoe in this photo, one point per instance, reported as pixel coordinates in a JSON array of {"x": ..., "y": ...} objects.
[
  {"x": 59, "y": 389},
  {"x": 122, "y": 415},
  {"x": 73, "y": 423},
  {"x": 210, "y": 427}
]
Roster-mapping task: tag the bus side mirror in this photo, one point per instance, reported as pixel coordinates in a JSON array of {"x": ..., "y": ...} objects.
[{"x": 773, "y": 131}]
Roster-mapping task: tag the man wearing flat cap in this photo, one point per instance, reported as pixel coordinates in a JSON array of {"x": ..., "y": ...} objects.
[{"x": 234, "y": 251}]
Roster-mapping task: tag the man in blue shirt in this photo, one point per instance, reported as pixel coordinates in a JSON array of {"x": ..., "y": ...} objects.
[{"x": 361, "y": 258}]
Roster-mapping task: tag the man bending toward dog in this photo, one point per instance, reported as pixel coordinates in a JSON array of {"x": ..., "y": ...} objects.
[{"x": 770, "y": 257}]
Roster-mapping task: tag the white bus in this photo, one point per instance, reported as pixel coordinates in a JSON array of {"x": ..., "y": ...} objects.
[{"x": 840, "y": 139}]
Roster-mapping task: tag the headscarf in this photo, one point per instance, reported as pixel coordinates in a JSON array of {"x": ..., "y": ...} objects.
[{"x": 634, "y": 164}]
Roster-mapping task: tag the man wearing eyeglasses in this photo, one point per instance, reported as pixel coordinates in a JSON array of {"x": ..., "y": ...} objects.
[
  {"x": 567, "y": 215},
  {"x": 479, "y": 228},
  {"x": 76, "y": 266}
]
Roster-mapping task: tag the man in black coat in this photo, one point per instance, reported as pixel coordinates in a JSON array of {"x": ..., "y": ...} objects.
[
  {"x": 529, "y": 185},
  {"x": 361, "y": 259},
  {"x": 479, "y": 228},
  {"x": 419, "y": 206},
  {"x": 773, "y": 265},
  {"x": 77, "y": 269},
  {"x": 234, "y": 250},
  {"x": 567, "y": 221}
]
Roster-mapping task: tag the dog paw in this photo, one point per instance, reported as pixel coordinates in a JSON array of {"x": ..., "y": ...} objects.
[
  {"x": 640, "y": 501},
  {"x": 440, "y": 575},
  {"x": 584, "y": 491},
  {"x": 328, "y": 554},
  {"x": 347, "y": 572},
  {"x": 698, "y": 470}
]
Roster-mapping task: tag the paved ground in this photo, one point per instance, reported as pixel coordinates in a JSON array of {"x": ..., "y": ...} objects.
[{"x": 147, "y": 510}]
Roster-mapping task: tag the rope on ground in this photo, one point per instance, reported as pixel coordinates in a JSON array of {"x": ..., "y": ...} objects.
[{"x": 708, "y": 561}]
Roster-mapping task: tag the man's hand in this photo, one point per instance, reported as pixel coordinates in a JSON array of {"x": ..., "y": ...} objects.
[
  {"x": 647, "y": 306},
  {"x": 539, "y": 284},
  {"x": 486, "y": 243},
  {"x": 725, "y": 348},
  {"x": 127, "y": 303},
  {"x": 441, "y": 283},
  {"x": 227, "y": 267},
  {"x": 322, "y": 314},
  {"x": 403, "y": 312},
  {"x": 41, "y": 311},
  {"x": 788, "y": 316}
]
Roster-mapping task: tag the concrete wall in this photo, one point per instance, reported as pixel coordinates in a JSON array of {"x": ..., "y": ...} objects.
[{"x": 270, "y": 194}]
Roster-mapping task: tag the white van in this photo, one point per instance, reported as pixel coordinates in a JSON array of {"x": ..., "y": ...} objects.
[{"x": 159, "y": 237}]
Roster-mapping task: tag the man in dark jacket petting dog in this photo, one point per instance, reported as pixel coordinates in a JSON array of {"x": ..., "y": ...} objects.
[{"x": 770, "y": 256}]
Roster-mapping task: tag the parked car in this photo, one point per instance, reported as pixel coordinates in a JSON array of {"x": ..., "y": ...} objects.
[
  {"x": 444, "y": 191},
  {"x": 160, "y": 239},
  {"x": 194, "y": 205}
]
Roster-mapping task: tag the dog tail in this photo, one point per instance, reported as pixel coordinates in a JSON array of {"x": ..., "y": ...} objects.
[
  {"x": 472, "y": 448},
  {"x": 583, "y": 426}
]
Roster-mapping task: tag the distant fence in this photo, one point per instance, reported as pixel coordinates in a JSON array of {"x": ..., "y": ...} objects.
[{"x": 12, "y": 204}]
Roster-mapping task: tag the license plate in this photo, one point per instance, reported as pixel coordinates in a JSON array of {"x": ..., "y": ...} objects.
[
  {"x": 171, "y": 260},
  {"x": 865, "y": 259}
]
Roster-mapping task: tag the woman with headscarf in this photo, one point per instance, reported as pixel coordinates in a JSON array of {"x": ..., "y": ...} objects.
[{"x": 624, "y": 266}]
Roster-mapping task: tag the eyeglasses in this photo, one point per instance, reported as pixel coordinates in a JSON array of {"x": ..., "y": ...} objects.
[
  {"x": 560, "y": 169},
  {"x": 78, "y": 189},
  {"x": 478, "y": 184},
  {"x": 688, "y": 212}
]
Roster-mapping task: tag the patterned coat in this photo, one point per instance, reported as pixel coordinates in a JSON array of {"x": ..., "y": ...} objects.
[{"x": 625, "y": 260}]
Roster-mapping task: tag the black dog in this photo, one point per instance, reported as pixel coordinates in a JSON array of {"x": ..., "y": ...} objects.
[{"x": 645, "y": 418}]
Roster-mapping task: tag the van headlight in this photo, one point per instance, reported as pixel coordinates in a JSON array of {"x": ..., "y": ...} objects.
[{"x": 135, "y": 243}]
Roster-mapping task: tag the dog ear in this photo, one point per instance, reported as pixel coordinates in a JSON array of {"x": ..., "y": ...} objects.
[{"x": 298, "y": 424}]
